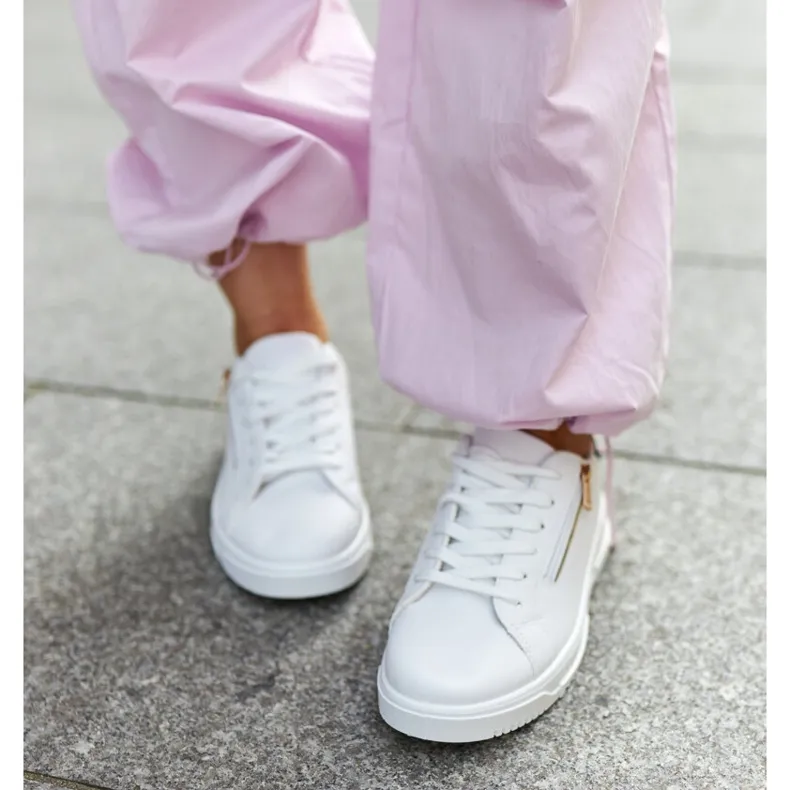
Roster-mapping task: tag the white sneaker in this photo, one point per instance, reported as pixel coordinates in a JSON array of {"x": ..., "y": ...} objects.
[
  {"x": 493, "y": 623},
  {"x": 288, "y": 517}
]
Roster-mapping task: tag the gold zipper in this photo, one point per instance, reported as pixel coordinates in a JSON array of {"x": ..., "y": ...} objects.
[
  {"x": 585, "y": 503},
  {"x": 224, "y": 383},
  {"x": 586, "y": 474}
]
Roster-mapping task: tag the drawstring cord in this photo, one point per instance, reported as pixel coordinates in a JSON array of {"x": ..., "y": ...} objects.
[{"x": 209, "y": 272}]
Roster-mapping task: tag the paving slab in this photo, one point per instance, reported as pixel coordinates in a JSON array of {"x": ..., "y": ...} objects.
[
  {"x": 721, "y": 200},
  {"x": 721, "y": 116},
  {"x": 51, "y": 38},
  {"x": 146, "y": 669},
  {"x": 726, "y": 35},
  {"x": 714, "y": 399}
]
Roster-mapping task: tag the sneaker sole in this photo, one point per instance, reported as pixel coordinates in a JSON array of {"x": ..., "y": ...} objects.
[
  {"x": 506, "y": 714},
  {"x": 294, "y": 582}
]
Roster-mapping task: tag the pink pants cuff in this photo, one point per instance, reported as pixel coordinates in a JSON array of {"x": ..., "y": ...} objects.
[{"x": 515, "y": 160}]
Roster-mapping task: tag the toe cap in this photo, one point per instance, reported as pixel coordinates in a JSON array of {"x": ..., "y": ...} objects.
[
  {"x": 301, "y": 518},
  {"x": 449, "y": 648}
]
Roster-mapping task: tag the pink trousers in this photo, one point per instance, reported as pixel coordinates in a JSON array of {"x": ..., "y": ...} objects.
[{"x": 514, "y": 159}]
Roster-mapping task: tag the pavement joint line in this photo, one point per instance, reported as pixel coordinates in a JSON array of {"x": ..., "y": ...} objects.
[
  {"x": 690, "y": 259},
  {"x": 113, "y": 393},
  {"x": 409, "y": 416},
  {"x": 57, "y": 781},
  {"x": 79, "y": 208},
  {"x": 203, "y": 404},
  {"x": 690, "y": 463},
  {"x": 690, "y": 74},
  {"x": 746, "y": 143}
]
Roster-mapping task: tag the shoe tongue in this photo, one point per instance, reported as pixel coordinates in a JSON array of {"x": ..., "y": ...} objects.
[
  {"x": 286, "y": 349},
  {"x": 515, "y": 446}
]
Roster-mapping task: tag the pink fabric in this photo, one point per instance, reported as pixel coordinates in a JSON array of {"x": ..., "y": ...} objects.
[
  {"x": 246, "y": 116},
  {"x": 521, "y": 186}
]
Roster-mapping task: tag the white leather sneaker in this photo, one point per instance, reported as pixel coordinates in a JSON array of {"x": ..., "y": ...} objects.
[
  {"x": 493, "y": 623},
  {"x": 288, "y": 517}
]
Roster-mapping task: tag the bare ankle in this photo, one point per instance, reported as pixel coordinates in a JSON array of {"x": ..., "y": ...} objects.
[
  {"x": 271, "y": 293},
  {"x": 247, "y": 332},
  {"x": 564, "y": 440}
]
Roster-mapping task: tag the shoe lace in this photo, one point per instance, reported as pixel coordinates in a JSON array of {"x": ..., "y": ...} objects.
[
  {"x": 492, "y": 506},
  {"x": 291, "y": 417}
]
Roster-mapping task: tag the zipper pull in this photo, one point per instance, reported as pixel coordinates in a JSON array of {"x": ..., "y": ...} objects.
[
  {"x": 586, "y": 475},
  {"x": 224, "y": 383}
]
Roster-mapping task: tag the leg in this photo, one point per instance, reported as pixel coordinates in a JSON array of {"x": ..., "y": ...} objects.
[
  {"x": 270, "y": 293},
  {"x": 519, "y": 268},
  {"x": 521, "y": 209},
  {"x": 248, "y": 124}
]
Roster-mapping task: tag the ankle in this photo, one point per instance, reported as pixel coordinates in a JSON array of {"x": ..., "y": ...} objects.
[
  {"x": 248, "y": 331},
  {"x": 564, "y": 440},
  {"x": 270, "y": 293}
]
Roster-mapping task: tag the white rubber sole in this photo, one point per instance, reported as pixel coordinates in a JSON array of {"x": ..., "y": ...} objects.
[
  {"x": 293, "y": 582},
  {"x": 466, "y": 724}
]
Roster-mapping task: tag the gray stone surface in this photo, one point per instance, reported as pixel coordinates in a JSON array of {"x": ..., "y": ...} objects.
[
  {"x": 64, "y": 172},
  {"x": 713, "y": 402},
  {"x": 721, "y": 200},
  {"x": 712, "y": 407},
  {"x": 718, "y": 63},
  {"x": 368, "y": 14},
  {"x": 720, "y": 116},
  {"x": 724, "y": 36},
  {"x": 50, "y": 30},
  {"x": 68, "y": 129},
  {"x": 146, "y": 668}
]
